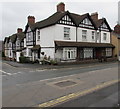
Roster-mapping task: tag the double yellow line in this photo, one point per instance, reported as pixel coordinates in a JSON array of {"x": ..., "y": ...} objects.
[{"x": 78, "y": 94}]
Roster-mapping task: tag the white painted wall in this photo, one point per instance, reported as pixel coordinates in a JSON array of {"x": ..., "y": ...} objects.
[
  {"x": 48, "y": 52},
  {"x": 24, "y": 42},
  {"x": 37, "y": 40},
  {"x": 56, "y": 32},
  {"x": 59, "y": 32},
  {"x": 59, "y": 54},
  {"x": 47, "y": 36},
  {"x": 17, "y": 56},
  {"x": 89, "y": 35},
  {"x": 108, "y": 37}
]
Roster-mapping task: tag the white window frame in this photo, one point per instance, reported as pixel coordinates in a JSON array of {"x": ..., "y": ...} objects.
[
  {"x": 84, "y": 35},
  {"x": 66, "y": 33},
  {"x": 104, "y": 36},
  {"x": 38, "y": 35},
  {"x": 88, "y": 52},
  {"x": 72, "y": 52},
  {"x": 30, "y": 52},
  {"x": 108, "y": 52},
  {"x": 93, "y": 35}
]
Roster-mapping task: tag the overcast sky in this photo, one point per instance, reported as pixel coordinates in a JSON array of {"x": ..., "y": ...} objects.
[{"x": 14, "y": 14}]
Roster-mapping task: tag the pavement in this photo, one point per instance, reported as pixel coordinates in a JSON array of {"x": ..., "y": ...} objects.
[
  {"x": 38, "y": 92},
  {"x": 38, "y": 66}
]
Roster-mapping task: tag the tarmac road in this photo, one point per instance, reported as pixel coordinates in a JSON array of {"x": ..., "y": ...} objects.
[{"x": 13, "y": 75}]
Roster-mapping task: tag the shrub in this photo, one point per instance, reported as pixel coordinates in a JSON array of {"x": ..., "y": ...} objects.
[
  {"x": 53, "y": 62},
  {"x": 24, "y": 59},
  {"x": 3, "y": 54}
]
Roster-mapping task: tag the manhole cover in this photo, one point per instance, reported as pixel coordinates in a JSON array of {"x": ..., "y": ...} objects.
[{"x": 65, "y": 83}]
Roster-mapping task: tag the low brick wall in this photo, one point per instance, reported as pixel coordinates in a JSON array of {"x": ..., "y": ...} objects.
[{"x": 87, "y": 61}]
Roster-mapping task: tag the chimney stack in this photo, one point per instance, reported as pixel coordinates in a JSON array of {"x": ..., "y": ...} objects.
[
  {"x": 61, "y": 7},
  {"x": 31, "y": 19},
  {"x": 19, "y": 30},
  {"x": 94, "y": 16},
  {"x": 117, "y": 29}
]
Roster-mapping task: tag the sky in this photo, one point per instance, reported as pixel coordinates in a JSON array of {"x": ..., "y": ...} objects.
[{"x": 14, "y": 13}]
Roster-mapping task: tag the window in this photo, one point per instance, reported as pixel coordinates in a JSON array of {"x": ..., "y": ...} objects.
[
  {"x": 30, "y": 52},
  {"x": 87, "y": 21},
  {"x": 108, "y": 51},
  {"x": 104, "y": 36},
  {"x": 93, "y": 35},
  {"x": 18, "y": 42},
  {"x": 84, "y": 35},
  {"x": 88, "y": 53},
  {"x": 38, "y": 34},
  {"x": 22, "y": 44},
  {"x": 66, "y": 33},
  {"x": 98, "y": 37},
  {"x": 29, "y": 36},
  {"x": 69, "y": 53}
]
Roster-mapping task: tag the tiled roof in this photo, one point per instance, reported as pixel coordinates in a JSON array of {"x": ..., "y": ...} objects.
[
  {"x": 76, "y": 18},
  {"x": 36, "y": 47},
  {"x": 20, "y": 36}
]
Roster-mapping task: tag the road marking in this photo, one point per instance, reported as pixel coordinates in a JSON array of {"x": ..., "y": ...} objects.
[
  {"x": 78, "y": 94},
  {"x": 45, "y": 70},
  {"x": 5, "y": 72},
  {"x": 9, "y": 73},
  {"x": 16, "y": 73}
]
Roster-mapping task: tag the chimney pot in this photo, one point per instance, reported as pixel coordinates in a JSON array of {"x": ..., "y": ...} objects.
[
  {"x": 117, "y": 29},
  {"x": 19, "y": 30},
  {"x": 61, "y": 7},
  {"x": 31, "y": 19}
]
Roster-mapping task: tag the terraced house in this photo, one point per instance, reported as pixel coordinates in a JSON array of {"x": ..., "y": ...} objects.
[
  {"x": 66, "y": 36},
  {"x": 14, "y": 45}
]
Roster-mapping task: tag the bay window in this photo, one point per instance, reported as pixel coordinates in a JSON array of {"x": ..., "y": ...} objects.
[{"x": 69, "y": 53}]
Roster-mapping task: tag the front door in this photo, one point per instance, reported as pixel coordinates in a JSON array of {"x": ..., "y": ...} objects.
[{"x": 98, "y": 53}]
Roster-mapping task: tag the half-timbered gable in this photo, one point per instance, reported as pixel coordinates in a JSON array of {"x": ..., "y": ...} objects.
[
  {"x": 86, "y": 23},
  {"x": 30, "y": 36},
  {"x": 104, "y": 27},
  {"x": 66, "y": 20},
  {"x": 29, "y": 31}
]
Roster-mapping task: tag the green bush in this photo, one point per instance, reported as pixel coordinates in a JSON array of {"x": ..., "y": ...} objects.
[
  {"x": 53, "y": 62},
  {"x": 3, "y": 54},
  {"x": 24, "y": 59}
]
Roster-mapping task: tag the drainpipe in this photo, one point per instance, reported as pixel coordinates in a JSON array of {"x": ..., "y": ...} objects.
[
  {"x": 76, "y": 34},
  {"x": 76, "y": 47}
]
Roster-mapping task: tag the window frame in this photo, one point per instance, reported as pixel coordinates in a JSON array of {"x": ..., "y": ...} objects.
[
  {"x": 93, "y": 35},
  {"x": 104, "y": 36},
  {"x": 84, "y": 36},
  {"x": 38, "y": 35},
  {"x": 67, "y": 33}
]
